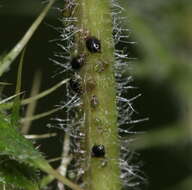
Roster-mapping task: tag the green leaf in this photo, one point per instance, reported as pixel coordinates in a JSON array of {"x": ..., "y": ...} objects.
[
  {"x": 17, "y": 175},
  {"x": 16, "y": 106},
  {"x": 14, "y": 145},
  {"x": 168, "y": 135}
]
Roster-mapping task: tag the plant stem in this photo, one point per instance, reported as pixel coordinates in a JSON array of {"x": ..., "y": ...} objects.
[
  {"x": 94, "y": 19},
  {"x": 47, "y": 168}
]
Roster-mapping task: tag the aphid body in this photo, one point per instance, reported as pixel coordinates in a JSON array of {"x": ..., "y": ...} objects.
[
  {"x": 98, "y": 151},
  {"x": 93, "y": 44},
  {"x": 77, "y": 62}
]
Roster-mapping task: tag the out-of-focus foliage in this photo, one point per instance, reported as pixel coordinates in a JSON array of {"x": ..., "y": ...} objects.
[
  {"x": 162, "y": 70},
  {"x": 162, "y": 31}
]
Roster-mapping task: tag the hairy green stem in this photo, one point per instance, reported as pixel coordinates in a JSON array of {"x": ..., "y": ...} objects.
[{"x": 94, "y": 19}]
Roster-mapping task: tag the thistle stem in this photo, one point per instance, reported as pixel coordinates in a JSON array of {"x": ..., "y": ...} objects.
[{"x": 99, "y": 95}]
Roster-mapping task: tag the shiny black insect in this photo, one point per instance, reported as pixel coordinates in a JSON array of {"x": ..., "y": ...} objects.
[
  {"x": 98, "y": 151},
  {"x": 93, "y": 44},
  {"x": 76, "y": 84},
  {"x": 77, "y": 62}
]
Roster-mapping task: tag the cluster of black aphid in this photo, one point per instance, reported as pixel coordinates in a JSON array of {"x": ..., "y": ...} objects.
[
  {"x": 94, "y": 46},
  {"x": 129, "y": 171},
  {"x": 77, "y": 62}
]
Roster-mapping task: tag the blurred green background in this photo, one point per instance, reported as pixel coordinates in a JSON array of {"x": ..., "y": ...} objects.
[{"x": 162, "y": 71}]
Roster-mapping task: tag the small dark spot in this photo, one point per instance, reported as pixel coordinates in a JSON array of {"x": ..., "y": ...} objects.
[
  {"x": 77, "y": 62},
  {"x": 94, "y": 101},
  {"x": 76, "y": 84},
  {"x": 98, "y": 151},
  {"x": 90, "y": 84},
  {"x": 93, "y": 44}
]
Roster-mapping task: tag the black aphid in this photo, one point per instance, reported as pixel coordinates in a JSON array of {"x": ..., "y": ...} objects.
[
  {"x": 77, "y": 62},
  {"x": 98, "y": 151},
  {"x": 76, "y": 84},
  {"x": 93, "y": 44}
]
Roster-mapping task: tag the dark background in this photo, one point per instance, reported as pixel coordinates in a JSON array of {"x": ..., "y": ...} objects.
[{"x": 166, "y": 166}]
